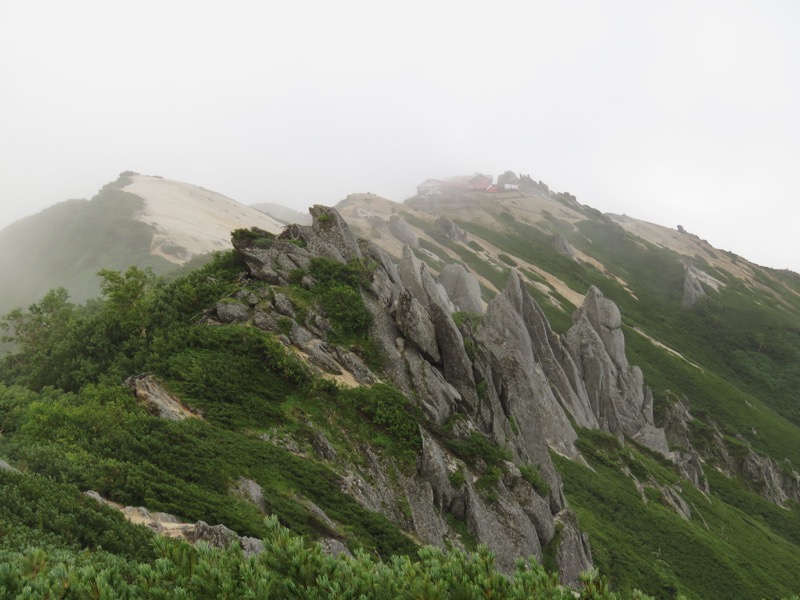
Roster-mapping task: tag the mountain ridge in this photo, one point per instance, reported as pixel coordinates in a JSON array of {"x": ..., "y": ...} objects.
[{"x": 507, "y": 389}]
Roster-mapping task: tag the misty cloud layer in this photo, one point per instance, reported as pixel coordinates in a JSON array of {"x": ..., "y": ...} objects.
[{"x": 676, "y": 112}]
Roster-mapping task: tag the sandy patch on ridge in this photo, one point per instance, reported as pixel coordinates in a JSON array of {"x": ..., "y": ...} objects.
[{"x": 190, "y": 220}]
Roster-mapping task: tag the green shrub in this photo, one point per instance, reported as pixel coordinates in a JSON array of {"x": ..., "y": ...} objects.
[
  {"x": 478, "y": 446},
  {"x": 457, "y": 478},
  {"x": 460, "y": 317},
  {"x": 289, "y": 567},
  {"x": 345, "y": 308},
  {"x": 328, "y": 271},
  {"x": 533, "y": 475},
  {"x": 487, "y": 483},
  {"x": 387, "y": 407},
  {"x": 252, "y": 238}
]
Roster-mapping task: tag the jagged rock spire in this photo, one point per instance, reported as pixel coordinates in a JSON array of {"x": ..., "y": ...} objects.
[{"x": 621, "y": 402}]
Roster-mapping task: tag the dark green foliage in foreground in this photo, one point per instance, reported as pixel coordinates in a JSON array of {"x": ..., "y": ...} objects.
[
  {"x": 290, "y": 567},
  {"x": 45, "y": 511}
]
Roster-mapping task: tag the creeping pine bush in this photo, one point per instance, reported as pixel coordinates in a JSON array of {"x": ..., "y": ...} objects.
[
  {"x": 387, "y": 407},
  {"x": 289, "y": 567},
  {"x": 338, "y": 288}
]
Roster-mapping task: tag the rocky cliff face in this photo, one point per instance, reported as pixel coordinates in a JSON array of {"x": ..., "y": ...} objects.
[
  {"x": 778, "y": 483},
  {"x": 506, "y": 378}
]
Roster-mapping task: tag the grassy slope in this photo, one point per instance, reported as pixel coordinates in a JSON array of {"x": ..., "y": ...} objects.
[
  {"x": 736, "y": 544},
  {"x": 66, "y": 244}
]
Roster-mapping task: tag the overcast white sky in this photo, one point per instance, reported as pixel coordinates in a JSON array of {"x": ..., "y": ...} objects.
[{"x": 674, "y": 112}]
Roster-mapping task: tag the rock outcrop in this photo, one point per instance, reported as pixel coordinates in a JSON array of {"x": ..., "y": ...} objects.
[
  {"x": 620, "y": 401},
  {"x": 693, "y": 282},
  {"x": 683, "y": 454},
  {"x": 518, "y": 381},
  {"x": 462, "y": 288},
  {"x": 561, "y": 245},
  {"x": 451, "y": 229},
  {"x": 573, "y": 553},
  {"x": 169, "y": 525},
  {"x": 160, "y": 401},
  {"x": 403, "y": 231},
  {"x": 505, "y": 377},
  {"x": 778, "y": 483}
]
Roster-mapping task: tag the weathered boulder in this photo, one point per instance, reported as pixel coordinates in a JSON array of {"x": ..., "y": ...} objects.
[
  {"x": 618, "y": 397},
  {"x": 232, "y": 312},
  {"x": 165, "y": 405},
  {"x": 331, "y": 236},
  {"x": 219, "y": 536},
  {"x": 270, "y": 259},
  {"x": 573, "y": 554},
  {"x": 451, "y": 229},
  {"x": 415, "y": 324},
  {"x": 283, "y": 306},
  {"x": 319, "y": 355},
  {"x": 250, "y": 491},
  {"x": 266, "y": 321},
  {"x": 360, "y": 372},
  {"x": 403, "y": 231},
  {"x": 561, "y": 245},
  {"x": 334, "y": 547},
  {"x": 462, "y": 288}
]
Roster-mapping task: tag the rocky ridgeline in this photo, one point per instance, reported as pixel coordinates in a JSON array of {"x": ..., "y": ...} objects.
[
  {"x": 505, "y": 375},
  {"x": 734, "y": 457}
]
